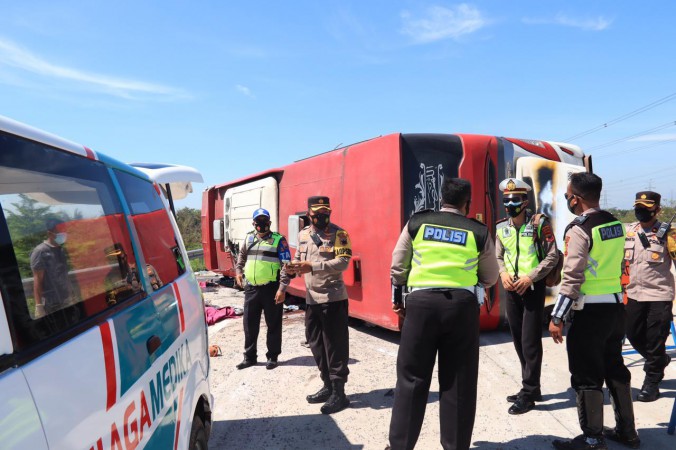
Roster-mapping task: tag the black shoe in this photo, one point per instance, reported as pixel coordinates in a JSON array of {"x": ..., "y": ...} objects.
[
  {"x": 649, "y": 393},
  {"x": 581, "y": 442},
  {"x": 246, "y": 363},
  {"x": 321, "y": 395},
  {"x": 335, "y": 403},
  {"x": 521, "y": 406},
  {"x": 338, "y": 401},
  {"x": 271, "y": 364},
  {"x": 533, "y": 398},
  {"x": 627, "y": 441}
]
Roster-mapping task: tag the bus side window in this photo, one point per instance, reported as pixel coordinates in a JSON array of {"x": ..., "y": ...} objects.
[
  {"x": 66, "y": 230},
  {"x": 163, "y": 257}
]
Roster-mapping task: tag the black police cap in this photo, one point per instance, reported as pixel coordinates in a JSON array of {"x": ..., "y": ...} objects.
[
  {"x": 317, "y": 202},
  {"x": 647, "y": 198}
]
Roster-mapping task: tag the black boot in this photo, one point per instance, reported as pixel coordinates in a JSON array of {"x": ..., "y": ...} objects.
[
  {"x": 590, "y": 413},
  {"x": 649, "y": 392},
  {"x": 625, "y": 429},
  {"x": 321, "y": 395},
  {"x": 338, "y": 401}
]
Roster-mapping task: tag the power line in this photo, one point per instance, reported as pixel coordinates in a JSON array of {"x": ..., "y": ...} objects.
[
  {"x": 623, "y": 181},
  {"x": 626, "y": 138},
  {"x": 623, "y": 117},
  {"x": 635, "y": 149}
]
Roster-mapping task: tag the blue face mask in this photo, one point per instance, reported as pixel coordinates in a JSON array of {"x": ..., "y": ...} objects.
[{"x": 60, "y": 238}]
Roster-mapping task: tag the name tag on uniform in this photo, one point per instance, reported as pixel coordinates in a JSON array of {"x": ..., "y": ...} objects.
[
  {"x": 448, "y": 235},
  {"x": 325, "y": 248},
  {"x": 611, "y": 232}
]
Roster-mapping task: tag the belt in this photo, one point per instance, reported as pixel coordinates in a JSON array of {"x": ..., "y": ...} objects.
[
  {"x": 602, "y": 298},
  {"x": 440, "y": 288}
]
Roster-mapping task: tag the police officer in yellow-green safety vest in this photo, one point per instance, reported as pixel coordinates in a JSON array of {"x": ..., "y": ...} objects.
[
  {"x": 590, "y": 288},
  {"x": 441, "y": 257},
  {"x": 260, "y": 266},
  {"x": 526, "y": 253}
]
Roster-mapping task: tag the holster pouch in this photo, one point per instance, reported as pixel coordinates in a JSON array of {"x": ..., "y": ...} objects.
[{"x": 578, "y": 305}]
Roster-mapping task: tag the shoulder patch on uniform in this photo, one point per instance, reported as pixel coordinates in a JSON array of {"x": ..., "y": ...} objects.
[{"x": 342, "y": 246}]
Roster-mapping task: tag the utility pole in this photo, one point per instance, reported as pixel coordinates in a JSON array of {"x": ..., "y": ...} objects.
[{"x": 650, "y": 185}]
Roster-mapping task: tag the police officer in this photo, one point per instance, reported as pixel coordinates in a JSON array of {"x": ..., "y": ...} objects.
[
  {"x": 323, "y": 254},
  {"x": 441, "y": 257},
  {"x": 519, "y": 246},
  {"x": 650, "y": 290},
  {"x": 594, "y": 247},
  {"x": 260, "y": 267}
]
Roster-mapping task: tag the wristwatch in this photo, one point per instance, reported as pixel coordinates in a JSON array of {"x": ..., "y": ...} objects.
[{"x": 556, "y": 321}]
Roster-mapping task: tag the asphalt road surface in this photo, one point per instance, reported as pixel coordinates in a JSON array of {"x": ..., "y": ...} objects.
[{"x": 257, "y": 408}]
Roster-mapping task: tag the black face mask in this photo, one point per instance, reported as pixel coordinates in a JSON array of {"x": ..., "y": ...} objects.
[
  {"x": 320, "y": 220},
  {"x": 514, "y": 210},
  {"x": 262, "y": 227},
  {"x": 570, "y": 207},
  {"x": 643, "y": 214}
]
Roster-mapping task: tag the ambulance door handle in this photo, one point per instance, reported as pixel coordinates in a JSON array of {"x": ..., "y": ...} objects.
[{"x": 153, "y": 343}]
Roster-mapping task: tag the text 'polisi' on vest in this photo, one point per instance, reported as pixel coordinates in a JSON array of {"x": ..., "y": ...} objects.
[{"x": 447, "y": 235}]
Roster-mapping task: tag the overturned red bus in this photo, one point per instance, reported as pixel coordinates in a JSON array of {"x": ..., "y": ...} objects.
[{"x": 375, "y": 186}]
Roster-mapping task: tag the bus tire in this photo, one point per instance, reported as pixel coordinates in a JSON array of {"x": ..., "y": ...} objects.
[{"x": 198, "y": 435}]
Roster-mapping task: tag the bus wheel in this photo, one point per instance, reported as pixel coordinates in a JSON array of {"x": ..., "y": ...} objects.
[{"x": 198, "y": 435}]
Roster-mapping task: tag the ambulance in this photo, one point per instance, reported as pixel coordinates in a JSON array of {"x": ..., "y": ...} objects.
[
  {"x": 103, "y": 337},
  {"x": 375, "y": 186}
]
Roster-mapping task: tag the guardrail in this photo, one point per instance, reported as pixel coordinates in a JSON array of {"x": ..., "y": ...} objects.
[{"x": 196, "y": 253}]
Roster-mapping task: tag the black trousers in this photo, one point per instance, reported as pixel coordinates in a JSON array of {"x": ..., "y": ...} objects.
[
  {"x": 594, "y": 346},
  {"x": 328, "y": 336},
  {"x": 443, "y": 322},
  {"x": 648, "y": 327},
  {"x": 525, "y": 315},
  {"x": 257, "y": 300}
]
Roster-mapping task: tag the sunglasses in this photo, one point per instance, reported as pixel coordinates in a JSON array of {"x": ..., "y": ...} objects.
[
  {"x": 568, "y": 197},
  {"x": 512, "y": 202}
]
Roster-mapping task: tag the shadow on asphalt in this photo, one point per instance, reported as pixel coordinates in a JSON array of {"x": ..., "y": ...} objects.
[
  {"x": 651, "y": 438},
  {"x": 313, "y": 431},
  {"x": 380, "y": 399},
  {"x": 307, "y": 361}
]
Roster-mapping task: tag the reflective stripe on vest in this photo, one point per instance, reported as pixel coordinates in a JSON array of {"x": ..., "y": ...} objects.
[
  {"x": 443, "y": 257},
  {"x": 262, "y": 261},
  {"x": 520, "y": 251},
  {"x": 604, "y": 263}
]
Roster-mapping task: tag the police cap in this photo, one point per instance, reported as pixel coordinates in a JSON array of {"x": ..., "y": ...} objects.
[
  {"x": 261, "y": 212},
  {"x": 514, "y": 186},
  {"x": 318, "y": 202},
  {"x": 647, "y": 198}
]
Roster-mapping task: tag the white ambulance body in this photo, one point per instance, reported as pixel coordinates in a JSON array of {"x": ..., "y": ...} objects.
[{"x": 120, "y": 359}]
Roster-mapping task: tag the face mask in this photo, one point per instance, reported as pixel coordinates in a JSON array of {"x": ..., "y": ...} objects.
[
  {"x": 514, "y": 208},
  {"x": 320, "y": 220},
  {"x": 60, "y": 238},
  {"x": 643, "y": 214},
  {"x": 262, "y": 227},
  {"x": 570, "y": 207}
]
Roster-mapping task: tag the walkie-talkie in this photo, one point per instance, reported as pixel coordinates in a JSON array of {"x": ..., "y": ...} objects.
[{"x": 666, "y": 226}]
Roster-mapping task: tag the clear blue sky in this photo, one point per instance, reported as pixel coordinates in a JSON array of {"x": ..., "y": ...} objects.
[{"x": 237, "y": 87}]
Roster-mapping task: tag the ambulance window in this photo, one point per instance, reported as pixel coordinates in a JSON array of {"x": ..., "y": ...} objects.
[
  {"x": 66, "y": 250},
  {"x": 163, "y": 258}
]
